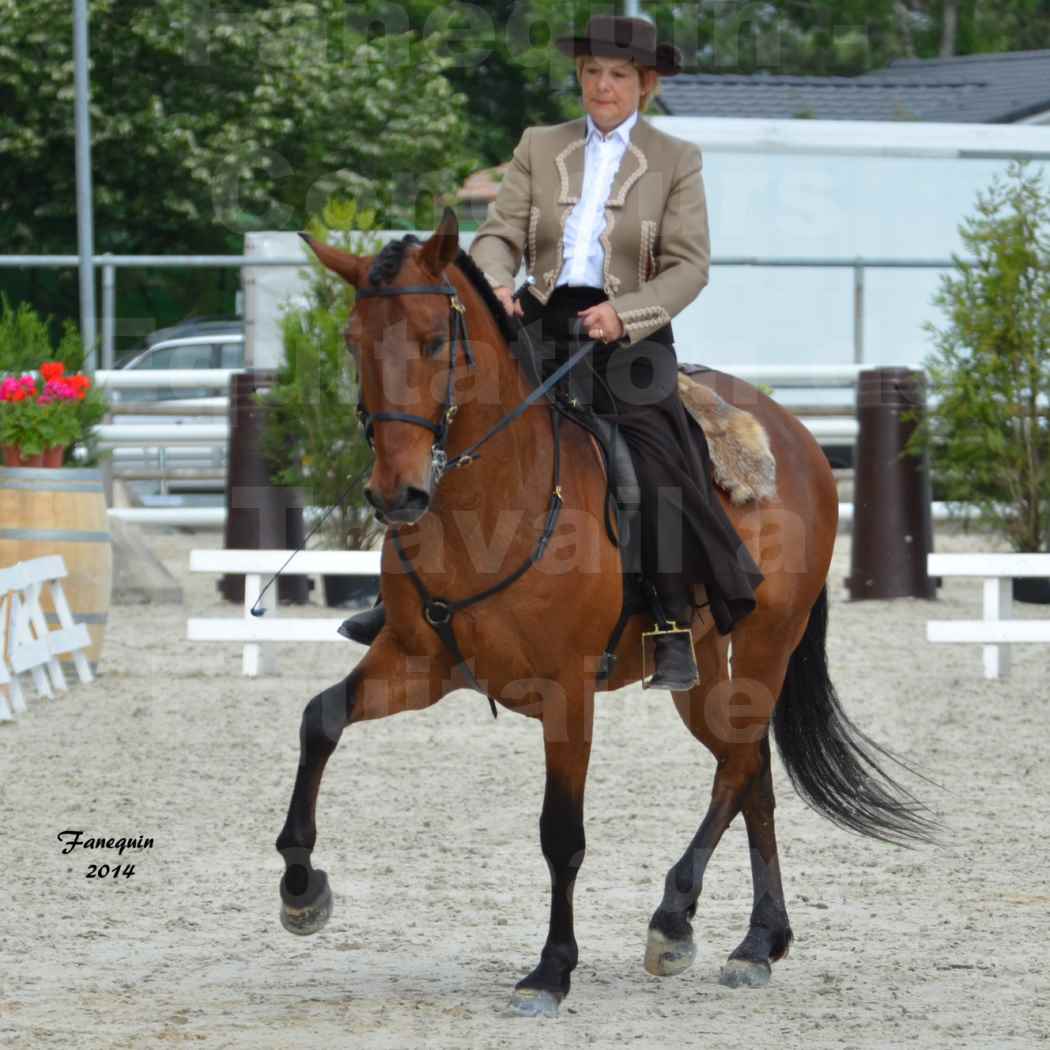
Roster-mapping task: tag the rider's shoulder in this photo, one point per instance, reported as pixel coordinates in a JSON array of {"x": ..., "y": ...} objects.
[{"x": 543, "y": 135}]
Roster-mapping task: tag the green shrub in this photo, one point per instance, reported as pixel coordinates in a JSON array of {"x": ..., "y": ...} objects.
[
  {"x": 25, "y": 341},
  {"x": 313, "y": 438},
  {"x": 989, "y": 376}
]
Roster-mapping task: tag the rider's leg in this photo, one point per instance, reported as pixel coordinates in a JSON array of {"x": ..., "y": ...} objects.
[{"x": 661, "y": 537}]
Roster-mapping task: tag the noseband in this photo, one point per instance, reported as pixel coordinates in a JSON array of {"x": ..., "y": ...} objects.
[{"x": 457, "y": 333}]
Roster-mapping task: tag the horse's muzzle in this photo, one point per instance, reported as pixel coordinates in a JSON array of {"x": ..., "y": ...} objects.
[{"x": 407, "y": 506}]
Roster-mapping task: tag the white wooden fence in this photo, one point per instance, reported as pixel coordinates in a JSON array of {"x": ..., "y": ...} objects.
[
  {"x": 260, "y": 632},
  {"x": 995, "y": 630}
]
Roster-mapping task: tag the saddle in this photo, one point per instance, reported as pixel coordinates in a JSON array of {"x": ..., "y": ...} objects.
[{"x": 742, "y": 462}]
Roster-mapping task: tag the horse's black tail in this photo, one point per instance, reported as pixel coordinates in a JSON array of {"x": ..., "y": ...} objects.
[{"x": 830, "y": 761}]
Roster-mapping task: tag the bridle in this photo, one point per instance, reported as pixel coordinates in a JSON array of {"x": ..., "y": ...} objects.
[{"x": 457, "y": 333}]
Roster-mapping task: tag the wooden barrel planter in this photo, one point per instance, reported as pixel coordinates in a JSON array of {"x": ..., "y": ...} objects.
[{"x": 62, "y": 512}]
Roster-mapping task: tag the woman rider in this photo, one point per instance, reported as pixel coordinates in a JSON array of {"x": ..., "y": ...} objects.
[{"x": 610, "y": 216}]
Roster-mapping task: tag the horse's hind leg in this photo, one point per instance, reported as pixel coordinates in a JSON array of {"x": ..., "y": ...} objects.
[
  {"x": 380, "y": 685},
  {"x": 730, "y": 716},
  {"x": 769, "y": 934}
]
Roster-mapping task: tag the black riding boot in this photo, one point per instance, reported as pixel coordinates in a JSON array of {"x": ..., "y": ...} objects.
[
  {"x": 674, "y": 657},
  {"x": 675, "y": 663},
  {"x": 364, "y": 627}
]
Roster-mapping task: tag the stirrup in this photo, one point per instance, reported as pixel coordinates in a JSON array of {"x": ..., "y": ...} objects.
[{"x": 672, "y": 628}]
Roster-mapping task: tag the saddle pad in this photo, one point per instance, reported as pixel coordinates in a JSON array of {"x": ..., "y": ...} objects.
[{"x": 741, "y": 458}]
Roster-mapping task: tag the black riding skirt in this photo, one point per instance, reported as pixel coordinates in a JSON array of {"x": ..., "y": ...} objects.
[{"x": 686, "y": 536}]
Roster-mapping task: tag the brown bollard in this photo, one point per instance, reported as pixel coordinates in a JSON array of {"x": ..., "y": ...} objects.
[
  {"x": 892, "y": 524},
  {"x": 259, "y": 514}
]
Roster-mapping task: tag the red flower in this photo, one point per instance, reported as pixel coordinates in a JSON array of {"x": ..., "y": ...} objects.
[
  {"x": 81, "y": 385},
  {"x": 52, "y": 370}
]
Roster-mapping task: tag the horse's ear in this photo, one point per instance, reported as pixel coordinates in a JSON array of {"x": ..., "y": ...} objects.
[
  {"x": 443, "y": 244},
  {"x": 349, "y": 267}
]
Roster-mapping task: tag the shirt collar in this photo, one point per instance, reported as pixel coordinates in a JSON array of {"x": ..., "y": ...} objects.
[{"x": 621, "y": 131}]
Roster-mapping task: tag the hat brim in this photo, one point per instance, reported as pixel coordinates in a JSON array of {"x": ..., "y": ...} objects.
[{"x": 667, "y": 60}]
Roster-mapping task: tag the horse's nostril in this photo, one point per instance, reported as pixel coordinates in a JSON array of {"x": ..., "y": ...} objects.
[
  {"x": 373, "y": 499},
  {"x": 415, "y": 499}
]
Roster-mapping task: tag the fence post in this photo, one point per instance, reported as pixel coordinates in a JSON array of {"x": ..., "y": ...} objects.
[
  {"x": 109, "y": 312},
  {"x": 892, "y": 523},
  {"x": 259, "y": 514}
]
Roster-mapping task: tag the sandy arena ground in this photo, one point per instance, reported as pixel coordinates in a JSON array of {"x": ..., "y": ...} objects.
[{"x": 428, "y": 830}]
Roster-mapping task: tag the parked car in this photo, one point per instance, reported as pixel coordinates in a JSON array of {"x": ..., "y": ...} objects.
[
  {"x": 220, "y": 346},
  {"x": 197, "y": 344}
]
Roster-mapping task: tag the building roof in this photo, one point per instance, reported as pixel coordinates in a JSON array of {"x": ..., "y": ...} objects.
[{"x": 971, "y": 89}]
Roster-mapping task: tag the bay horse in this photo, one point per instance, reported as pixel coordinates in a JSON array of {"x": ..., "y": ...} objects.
[{"x": 432, "y": 351}]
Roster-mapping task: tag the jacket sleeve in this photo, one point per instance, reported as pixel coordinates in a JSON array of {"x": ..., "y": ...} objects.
[
  {"x": 683, "y": 259},
  {"x": 499, "y": 242}
]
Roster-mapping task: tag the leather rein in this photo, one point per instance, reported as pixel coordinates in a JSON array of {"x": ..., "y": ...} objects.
[{"x": 438, "y": 612}]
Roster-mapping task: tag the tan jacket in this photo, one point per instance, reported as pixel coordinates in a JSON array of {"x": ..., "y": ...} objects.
[{"x": 656, "y": 241}]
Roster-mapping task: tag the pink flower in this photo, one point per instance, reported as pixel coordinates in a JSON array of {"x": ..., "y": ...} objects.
[
  {"x": 59, "y": 390},
  {"x": 19, "y": 389}
]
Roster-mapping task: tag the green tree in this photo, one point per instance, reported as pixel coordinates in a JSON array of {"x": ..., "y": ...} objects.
[
  {"x": 208, "y": 123},
  {"x": 209, "y": 120},
  {"x": 987, "y": 428},
  {"x": 313, "y": 437}
]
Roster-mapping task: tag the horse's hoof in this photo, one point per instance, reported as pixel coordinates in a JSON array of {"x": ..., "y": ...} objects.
[
  {"x": 533, "y": 1002},
  {"x": 743, "y": 973},
  {"x": 305, "y": 913},
  {"x": 665, "y": 958}
]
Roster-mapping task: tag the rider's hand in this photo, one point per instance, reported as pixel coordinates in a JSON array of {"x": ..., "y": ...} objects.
[
  {"x": 601, "y": 322},
  {"x": 510, "y": 304}
]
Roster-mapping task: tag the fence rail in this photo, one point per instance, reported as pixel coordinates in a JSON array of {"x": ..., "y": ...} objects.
[{"x": 110, "y": 264}]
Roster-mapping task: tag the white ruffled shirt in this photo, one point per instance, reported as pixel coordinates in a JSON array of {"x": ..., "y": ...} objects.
[{"x": 583, "y": 250}]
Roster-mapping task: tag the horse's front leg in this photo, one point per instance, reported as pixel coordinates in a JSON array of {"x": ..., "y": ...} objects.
[
  {"x": 385, "y": 682},
  {"x": 568, "y": 717}
]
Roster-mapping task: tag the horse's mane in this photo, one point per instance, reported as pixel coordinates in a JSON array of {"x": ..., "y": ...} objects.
[
  {"x": 388, "y": 265},
  {"x": 481, "y": 285}
]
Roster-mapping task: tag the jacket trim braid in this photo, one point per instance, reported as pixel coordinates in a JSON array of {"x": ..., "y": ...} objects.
[
  {"x": 643, "y": 167},
  {"x": 552, "y": 275},
  {"x": 646, "y": 262},
  {"x": 610, "y": 282},
  {"x": 534, "y": 221},
  {"x": 644, "y": 317},
  {"x": 563, "y": 171}
]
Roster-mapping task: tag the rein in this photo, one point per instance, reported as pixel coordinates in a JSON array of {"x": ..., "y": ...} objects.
[{"x": 438, "y": 612}]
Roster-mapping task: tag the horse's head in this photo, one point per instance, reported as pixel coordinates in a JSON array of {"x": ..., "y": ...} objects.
[{"x": 406, "y": 335}]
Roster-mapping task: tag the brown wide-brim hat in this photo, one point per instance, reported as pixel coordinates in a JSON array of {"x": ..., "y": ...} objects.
[{"x": 614, "y": 36}]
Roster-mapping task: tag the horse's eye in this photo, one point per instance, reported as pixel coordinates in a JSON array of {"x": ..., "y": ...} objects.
[{"x": 434, "y": 346}]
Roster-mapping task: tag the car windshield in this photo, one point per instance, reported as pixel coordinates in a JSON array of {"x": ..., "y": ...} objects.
[{"x": 197, "y": 356}]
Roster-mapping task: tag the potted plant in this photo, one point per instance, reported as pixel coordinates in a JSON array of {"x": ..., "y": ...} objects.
[
  {"x": 42, "y": 416},
  {"x": 46, "y": 406},
  {"x": 313, "y": 438},
  {"x": 987, "y": 426}
]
